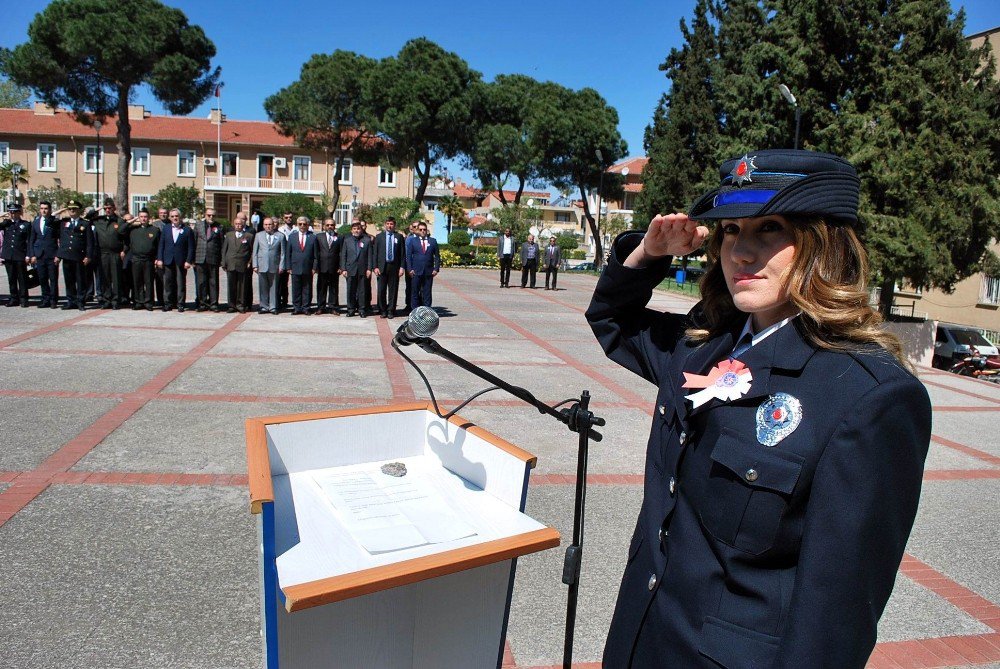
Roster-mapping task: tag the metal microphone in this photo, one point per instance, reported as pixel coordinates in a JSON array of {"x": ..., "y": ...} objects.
[{"x": 421, "y": 324}]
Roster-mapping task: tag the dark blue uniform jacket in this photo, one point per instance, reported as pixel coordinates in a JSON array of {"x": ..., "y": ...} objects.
[{"x": 749, "y": 556}]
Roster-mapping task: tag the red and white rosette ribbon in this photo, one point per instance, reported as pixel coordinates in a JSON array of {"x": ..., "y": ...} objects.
[{"x": 729, "y": 380}]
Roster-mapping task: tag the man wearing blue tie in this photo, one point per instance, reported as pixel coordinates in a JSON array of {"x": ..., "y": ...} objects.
[
  {"x": 175, "y": 256},
  {"x": 388, "y": 267},
  {"x": 423, "y": 262}
]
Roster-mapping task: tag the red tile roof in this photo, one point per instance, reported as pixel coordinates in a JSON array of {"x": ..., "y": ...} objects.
[
  {"x": 166, "y": 128},
  {"x": 462, "y": 189},
  {"x": 632, "y": 188},
  {"x": 635, "y": 166}
]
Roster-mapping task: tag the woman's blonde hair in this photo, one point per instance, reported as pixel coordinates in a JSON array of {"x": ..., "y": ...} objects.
[{"x": 827, "y": 280}]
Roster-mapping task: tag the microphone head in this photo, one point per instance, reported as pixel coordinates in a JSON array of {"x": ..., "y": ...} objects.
[{"x": 422, "y": 322}]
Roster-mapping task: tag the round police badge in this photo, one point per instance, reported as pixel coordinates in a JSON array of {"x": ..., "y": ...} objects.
[{"x": 777, "y": 418}]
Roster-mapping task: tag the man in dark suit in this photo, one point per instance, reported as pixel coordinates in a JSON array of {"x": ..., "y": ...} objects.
[
  {"x": 423, "y": 262},
  {"x": 286, "y": 228},
  {"x": 550, "y": 261},
  {"x": 302, "y": 266},
  {"x": 76, "y": 250},
  {"x": 328, "y": 245},
  {"x": 207, "y": 259},
  {"x": 161, "y": 223},
  {"x": 529, "y": 261},
  {"x": 237, "y": 249},
  {"x": 175, "y": 256},
  {"x": 14, "y": 254},
  {"x": 506, "y": 246},
  {"x": 387, "y": 265},
  {"x": 43, "y": 244},
  {"x": 411, "y": 234},
  {"x": 354, "y": 265}
]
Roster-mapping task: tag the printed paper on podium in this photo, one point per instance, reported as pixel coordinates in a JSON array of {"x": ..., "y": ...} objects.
[{"x": 387, "y": 513}]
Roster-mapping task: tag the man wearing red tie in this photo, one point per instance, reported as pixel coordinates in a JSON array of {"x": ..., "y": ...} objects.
[
  {"x": 302, "y": 265},
  {"x": 423, "y": 262}
]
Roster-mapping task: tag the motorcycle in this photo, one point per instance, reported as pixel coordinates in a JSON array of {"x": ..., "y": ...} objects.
[{"x": 977, "y": 366}]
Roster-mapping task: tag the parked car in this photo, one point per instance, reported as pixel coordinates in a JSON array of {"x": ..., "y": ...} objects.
[
  {"x": 954, "y": 342},
  {"x": 582, "y": 267}
]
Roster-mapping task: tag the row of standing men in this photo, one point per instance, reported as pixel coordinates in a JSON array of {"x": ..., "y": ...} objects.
[{"x": 126, "y": 261}]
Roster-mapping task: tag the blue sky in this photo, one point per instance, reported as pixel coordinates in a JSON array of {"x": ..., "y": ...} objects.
[{"x": 613, "y": 47}]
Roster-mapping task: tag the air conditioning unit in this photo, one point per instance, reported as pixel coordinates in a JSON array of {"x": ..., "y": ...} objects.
[
  {"x": 209, "y": 162},
  {"x": 280, "y": 163}
]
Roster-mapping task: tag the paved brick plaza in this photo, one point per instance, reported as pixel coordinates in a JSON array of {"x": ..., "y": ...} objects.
[{"x": 125, "y": 535}]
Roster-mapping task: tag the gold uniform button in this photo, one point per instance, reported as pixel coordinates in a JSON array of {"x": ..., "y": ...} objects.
[
  {"x": 652, "y": 581},
  {"x": 751, "y": 475}
]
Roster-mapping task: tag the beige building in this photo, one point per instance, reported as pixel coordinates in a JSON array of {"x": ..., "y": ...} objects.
[{"x": 236, "y": 165}]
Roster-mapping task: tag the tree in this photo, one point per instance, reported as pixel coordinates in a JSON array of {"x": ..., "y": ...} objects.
[
  {"x": 501, "y": 134},
  {"x": 567, "y": 241},
  {"x": 459, "y": 238},
  {"x": 421, "y": 101},
  {"x": 403, "y": 209},
  {"x": 85, "y": 54},
  {"x": 185, "y": 198},
  {"x": 13, "y": 174},
  {"x": 452, "y": 207},
  {"x": 326, "y": 109},
  {"x": 519, "y": 218},
  {"x": 13, "y": 96},
  {"x": 55, "y": 195},
  {"x": 682, "y": 141},
  {"x": 297, "y": 203},
  {"x": 578, "y": 140}
]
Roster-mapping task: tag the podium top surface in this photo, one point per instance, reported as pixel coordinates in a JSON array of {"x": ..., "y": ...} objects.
[{"x": 338, "y": 534}]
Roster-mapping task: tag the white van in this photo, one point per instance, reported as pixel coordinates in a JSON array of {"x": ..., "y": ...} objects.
[{"x": 953, "y": 342}]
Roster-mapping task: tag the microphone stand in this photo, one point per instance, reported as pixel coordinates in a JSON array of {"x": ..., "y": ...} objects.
[{"x": 578, "y": 418}]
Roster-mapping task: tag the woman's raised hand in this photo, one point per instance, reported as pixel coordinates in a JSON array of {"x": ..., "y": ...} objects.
[{"x": 669, "y": 235}]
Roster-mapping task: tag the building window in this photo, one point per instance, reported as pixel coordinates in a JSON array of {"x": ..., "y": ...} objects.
[
  {"x": 95, "y": 200},
  {"x": 347, "y": 172},
  {"x": 230, "y": 164},
  {"x": 562, "y": 217},
  {"x": 93, "y": 161},
  {"x": 386, "y": 178},
  {"x": 46, "y": 157},
  {"x": 342, "y": 215},
  {"x": 991, "y": 290},
  {"x": 185, "y": 163},
  {"x": 140, "y": 162},
  {"x": 138, "y": 202},
  {"x": 302, "y": 168},
  {"x": 4, "y": 153}
]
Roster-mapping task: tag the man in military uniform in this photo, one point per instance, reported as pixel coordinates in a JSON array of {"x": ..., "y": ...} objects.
[
  {"x": 207, "y": 258},
  {"x": 237, "y": 249},
  {"x": 76, "y": 250},
  {"x": 110, "y": 232},
  {"x": 43, "y": 243},
  {"x": 143, "y": 242},
  {"x": 14, "y": 254}
]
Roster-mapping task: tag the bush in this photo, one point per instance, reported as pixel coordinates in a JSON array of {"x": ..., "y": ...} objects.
[
  {"x": 57, "y": 195},
  {"x": 186, "y": 198},
  {"x": 297, "y": 203},
  {"x": 577, "y": 254},
  {"x": 486, "y": 251},
  {"x": 567, "y": 241},
  {"x": 459, "y": 238},
  {"x": 449, "y": 258}
]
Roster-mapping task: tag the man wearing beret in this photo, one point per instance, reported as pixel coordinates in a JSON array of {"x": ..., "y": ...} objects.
[
  {"x": 14, "y": 253},
  {"x": 76, "y": 249},
  {"x": 143, "y": 243},
  {"x": 110, "y": 232}
]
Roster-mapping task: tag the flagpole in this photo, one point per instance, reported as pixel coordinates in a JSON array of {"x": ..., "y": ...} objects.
[{"x": 218, "y": 141}]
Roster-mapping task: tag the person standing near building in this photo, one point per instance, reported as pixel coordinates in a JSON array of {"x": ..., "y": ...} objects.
[
  {"x": 551, "y": 260},
  {"x": 76, "y": 250},
  {"x": 143, "y": 242},
  {"x": 161, "y": 223},
  {"x": 175, "y": 257},
  {"x": 207, "y": 259},
  {"x": 328, "y": 245},
  {"x": 14, "y": 253},
  {"x": 411, "y": 234},
  {"x": 387, "y": 265},
  {"x": 237, "y": 251},
  {"x": 423, "y": 262},
  {"x": 354, "y": 265},
  {"x": 268, "y": 260},
  {"x": 286, "y": 228},
  {"x": 529, "y": 261},
  {"x": 110, "y": 232},
  {"x": 43, "y": 245},
  {"x": 302, "y": 266},
  {"x": 505, "y": 253}
]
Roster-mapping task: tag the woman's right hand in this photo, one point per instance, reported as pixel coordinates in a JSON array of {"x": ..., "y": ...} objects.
[{"x": 670, "y": 235}]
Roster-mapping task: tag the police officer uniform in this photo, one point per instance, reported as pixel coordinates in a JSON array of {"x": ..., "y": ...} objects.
[
  {"x": 773, "y": 520},
  {"x": 76, "y": 245},
  {"x": 14, "y": 254}
]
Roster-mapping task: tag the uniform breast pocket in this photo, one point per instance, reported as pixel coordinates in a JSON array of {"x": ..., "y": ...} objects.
[{"x": 747, "y": 492}]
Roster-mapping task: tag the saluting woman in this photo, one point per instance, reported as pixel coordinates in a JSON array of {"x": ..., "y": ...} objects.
[{"x": 785, "y": 458}]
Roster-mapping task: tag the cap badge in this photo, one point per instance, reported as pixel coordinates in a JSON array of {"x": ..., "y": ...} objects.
[
  {"x": 777, "y": 418},
  {"x": 743, "y": 170}
]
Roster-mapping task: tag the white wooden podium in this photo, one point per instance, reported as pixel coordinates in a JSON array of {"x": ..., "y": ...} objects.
[{"x": 327, "y": 601}]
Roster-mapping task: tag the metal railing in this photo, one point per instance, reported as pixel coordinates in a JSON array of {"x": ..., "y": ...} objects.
[{"x": 262, "y": 185}]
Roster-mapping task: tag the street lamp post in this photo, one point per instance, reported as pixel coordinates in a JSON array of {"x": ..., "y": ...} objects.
[
  {"x": 97, "y": 167},
  {"x": 15, "y": 178},
  {"x": 787, "y": 94}
]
